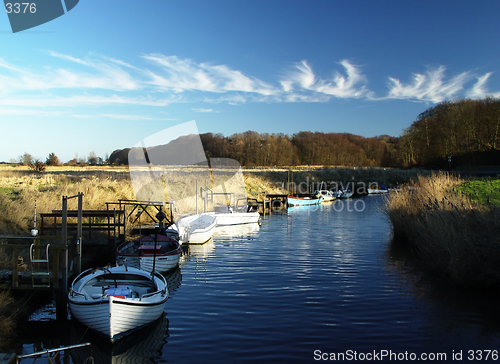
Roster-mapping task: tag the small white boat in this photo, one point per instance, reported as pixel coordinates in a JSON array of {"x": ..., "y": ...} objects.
[
  {"x": 117, "y": 301},
  {"x": 326, "y": 194},
  {"x": 376, "y": 189},
  {"x": 196, "y": 228},
  {"x": 226, "y": 216},
  {"x": 344, "y": 193},
  {"x": 140, "y": 253}
]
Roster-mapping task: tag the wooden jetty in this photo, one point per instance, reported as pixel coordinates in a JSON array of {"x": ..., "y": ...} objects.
[{"x": 48, "y": 262}]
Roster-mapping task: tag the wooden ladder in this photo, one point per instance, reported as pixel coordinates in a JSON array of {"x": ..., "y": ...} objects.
[{"x": 37, "y": 260}]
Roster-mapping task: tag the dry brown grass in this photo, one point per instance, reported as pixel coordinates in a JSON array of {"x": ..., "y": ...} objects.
[
  {"x": 20, "y": 189},
  {"x": 449, "y": 234}
]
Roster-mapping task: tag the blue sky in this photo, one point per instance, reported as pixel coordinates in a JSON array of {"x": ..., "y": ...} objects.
[{"x": 110, "y": 73}]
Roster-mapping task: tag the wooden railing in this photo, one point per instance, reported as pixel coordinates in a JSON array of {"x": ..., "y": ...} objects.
[{"x": 55, "y": 254}]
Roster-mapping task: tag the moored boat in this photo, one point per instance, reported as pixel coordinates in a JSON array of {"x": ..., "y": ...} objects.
[
  {"x": 196, "y": 228},
  {"x": 377, "y": 189},
  {"x": 326, "y": 194},
  {"x": 303, "y": 201},
  {"x": 344, "y": 193},
  {"x": 117, "y": 301},
  {"x": 141, "y": 252},
  {"x": 246, "y": 214}
]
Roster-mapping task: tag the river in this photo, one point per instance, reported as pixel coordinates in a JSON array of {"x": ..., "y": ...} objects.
[{"x": 319, "y": 282}]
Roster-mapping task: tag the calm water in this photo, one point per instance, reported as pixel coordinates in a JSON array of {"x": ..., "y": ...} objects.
[{"x": 315, "y": 281}]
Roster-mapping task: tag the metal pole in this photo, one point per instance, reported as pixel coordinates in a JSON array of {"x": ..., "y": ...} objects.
[{"x": 196, "y": 196}]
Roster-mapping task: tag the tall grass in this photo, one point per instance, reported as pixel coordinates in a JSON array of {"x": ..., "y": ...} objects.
[
  {"x": 20, "y": 189},
  {"x": 449, "y": 234}
]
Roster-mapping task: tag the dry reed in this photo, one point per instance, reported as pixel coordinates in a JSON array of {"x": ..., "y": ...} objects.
[{"x": 449, "y": 234}]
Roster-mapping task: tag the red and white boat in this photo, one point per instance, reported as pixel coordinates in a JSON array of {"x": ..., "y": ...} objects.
[{"x": 140, "y": 253}]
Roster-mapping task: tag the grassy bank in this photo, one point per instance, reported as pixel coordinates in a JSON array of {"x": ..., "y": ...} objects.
[
  {"x": 451, "y": 233},
  {"x": 20, "y": 188}
]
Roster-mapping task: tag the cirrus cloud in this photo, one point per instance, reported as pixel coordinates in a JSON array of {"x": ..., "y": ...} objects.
[{"x": 99, "y": 80}]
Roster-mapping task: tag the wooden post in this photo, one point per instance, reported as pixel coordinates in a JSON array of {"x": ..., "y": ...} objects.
[
  {"x": 205, "y": 199},
  {"x": 62, "y": 293},
  {"x": 15, "y": 271},
  {"x": 55, "y": 268},
  {"x": 64, "y": 222},
  {"x": 79, "y": 235}
]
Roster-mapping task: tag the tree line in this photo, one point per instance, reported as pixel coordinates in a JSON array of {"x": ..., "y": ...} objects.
[
  {"x": 465, "y": 130},
  {"x": 305, "y": 148}
]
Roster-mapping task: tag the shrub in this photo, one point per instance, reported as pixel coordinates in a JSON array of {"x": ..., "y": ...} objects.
[{"x": 37, "y": 166}]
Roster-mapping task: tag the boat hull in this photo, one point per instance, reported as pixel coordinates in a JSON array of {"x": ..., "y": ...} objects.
[
  {"x": 303, "y": 201},
  {"x": 372, "y": 191},
  {"x": 114, "y": 315},
  {"x": 196, "y": 229},
  {"x": 139, "y": 255}
]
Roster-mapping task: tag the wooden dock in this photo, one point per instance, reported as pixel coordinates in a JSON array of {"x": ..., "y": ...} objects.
[{"x": 7, "y": 358}]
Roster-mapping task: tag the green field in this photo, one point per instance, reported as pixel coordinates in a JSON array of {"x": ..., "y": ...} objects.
[{"x": 484, "y": 191}]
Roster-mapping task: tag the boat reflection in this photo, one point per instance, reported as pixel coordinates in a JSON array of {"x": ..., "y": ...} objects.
[
  {"x": 143, "y": 346},
  {"x": 202, "y": 251},
  {"x": 232, "y": 231}
]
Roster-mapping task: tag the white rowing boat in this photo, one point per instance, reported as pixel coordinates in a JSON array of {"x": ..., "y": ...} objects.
[{"x": 117, "y": 301}]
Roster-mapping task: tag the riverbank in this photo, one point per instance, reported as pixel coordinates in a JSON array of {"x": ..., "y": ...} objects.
[
  {"x": 20, "y": 188},
  {"x": 451, "y": 233}
]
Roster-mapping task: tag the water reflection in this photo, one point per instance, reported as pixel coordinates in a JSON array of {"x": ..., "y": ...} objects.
[
  {"x": 143, "y": 346},
  {"x": 232, "y": 231},
  {"x": 469, "y": 315},
  {"x": 202, "y": 251}
]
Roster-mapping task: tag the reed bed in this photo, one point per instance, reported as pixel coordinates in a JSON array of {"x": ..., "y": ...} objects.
[{"x": 449, "y": 234}]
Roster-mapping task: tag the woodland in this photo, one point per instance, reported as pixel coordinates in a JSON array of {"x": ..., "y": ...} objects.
[{"x": 465, "y": 130}]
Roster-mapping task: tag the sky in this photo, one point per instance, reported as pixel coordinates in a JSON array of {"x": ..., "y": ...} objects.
[{"x": 110, "y": 73}]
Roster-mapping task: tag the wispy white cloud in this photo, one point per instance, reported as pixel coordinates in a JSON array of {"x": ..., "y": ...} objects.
[
  {"x": 479, "y": 90},
  {"x": 181, "y": 75},
  {"x": 68, "y": 58},
  {"x": 350, "y": 85},
  {"x": 99, "y": 80},
  {"x": 122, "y": 117},
  {"x": 81, "y": 100},
  {"x": 429, "y": 87},
  {"x": 202, "y": 110}
]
